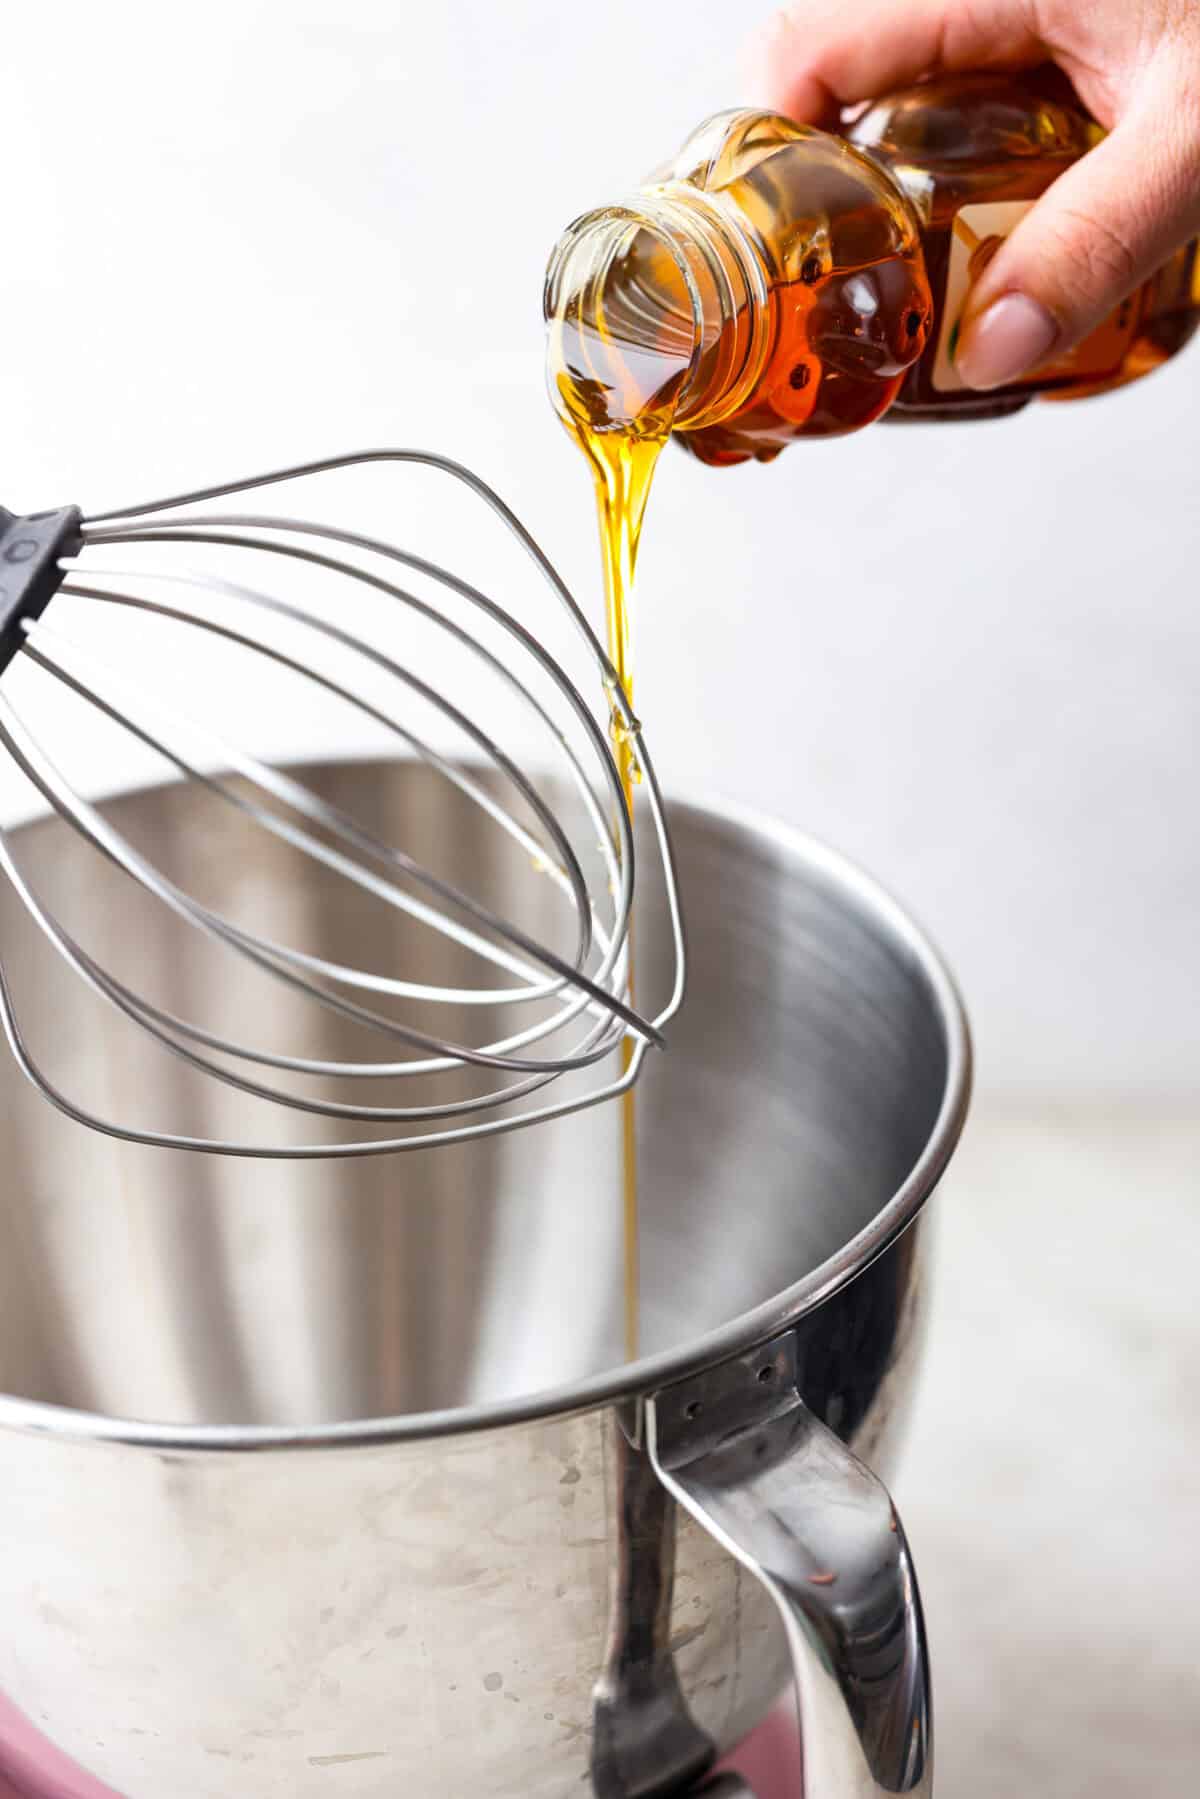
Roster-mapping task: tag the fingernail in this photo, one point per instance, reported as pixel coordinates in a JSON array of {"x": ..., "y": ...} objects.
[{"x": 1005, "y": 341}]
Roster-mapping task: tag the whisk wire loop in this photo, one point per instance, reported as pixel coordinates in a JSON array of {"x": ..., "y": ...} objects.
[{"x": 577, "y": 1001}]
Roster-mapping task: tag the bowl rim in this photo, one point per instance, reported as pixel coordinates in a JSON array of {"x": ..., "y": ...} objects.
[{"x": 630, "y": 1381}]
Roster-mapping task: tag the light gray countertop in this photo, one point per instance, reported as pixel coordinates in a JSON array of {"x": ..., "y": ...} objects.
[{"x": 1051, "y": 1485}]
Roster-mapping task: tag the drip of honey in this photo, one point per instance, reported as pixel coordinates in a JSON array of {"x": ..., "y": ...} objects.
[
  {"x": 623, "y": 467},
  {"x": 615, "y": 384}
]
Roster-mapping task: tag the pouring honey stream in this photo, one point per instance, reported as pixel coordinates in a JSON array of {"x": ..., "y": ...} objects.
[
  {"x": 772, "y": 281},
  {"x": 664, "y": 320},
  {"x": 622, "y": 453}
]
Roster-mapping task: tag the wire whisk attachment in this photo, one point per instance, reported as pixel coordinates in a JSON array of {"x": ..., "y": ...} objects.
[{"x": 373, "y": 630}]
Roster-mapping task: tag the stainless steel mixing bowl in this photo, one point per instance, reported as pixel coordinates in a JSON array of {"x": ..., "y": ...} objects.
[{"x": 327, "y": 1479}]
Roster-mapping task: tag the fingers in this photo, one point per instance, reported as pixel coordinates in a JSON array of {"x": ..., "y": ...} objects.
[
  {"x": 817, "y": 55},
  {"x": 1105, "y": 225}
]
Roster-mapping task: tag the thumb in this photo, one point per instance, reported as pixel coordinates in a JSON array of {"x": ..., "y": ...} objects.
[{"x": 1106, "y": 224}]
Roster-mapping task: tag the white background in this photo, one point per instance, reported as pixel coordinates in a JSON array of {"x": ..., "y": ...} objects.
[{"x": 240, "y": 234}]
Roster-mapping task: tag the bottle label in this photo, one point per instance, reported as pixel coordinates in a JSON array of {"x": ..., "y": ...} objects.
[{"x": 976, "y": 235}]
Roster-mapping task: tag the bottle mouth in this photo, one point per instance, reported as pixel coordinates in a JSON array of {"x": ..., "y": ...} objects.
[
  {"x": 656, "y": 308},
  {"x": 621, "y": 305}
]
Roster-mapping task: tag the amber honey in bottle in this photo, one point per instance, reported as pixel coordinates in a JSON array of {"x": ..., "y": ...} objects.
[{"x": 773, "y": 281}]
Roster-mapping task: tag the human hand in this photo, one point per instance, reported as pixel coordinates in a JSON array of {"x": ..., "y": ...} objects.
[{"x": 1108, "y": 221}]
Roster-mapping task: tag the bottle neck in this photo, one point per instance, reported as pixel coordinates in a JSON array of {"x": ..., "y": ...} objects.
[
  {"x": 729, "y": 290},
  {"x": 671, "y": 286}
]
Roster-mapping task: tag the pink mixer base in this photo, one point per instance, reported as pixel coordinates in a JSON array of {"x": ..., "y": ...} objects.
[{"x": 31, "y": 1768}]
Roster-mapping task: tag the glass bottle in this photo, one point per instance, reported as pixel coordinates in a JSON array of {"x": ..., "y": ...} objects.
[
  {"x": 773, "y": 281},
  {"x": 766, "y": 284}
]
